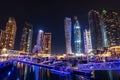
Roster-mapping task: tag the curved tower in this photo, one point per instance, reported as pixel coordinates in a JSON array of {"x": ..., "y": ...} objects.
[
  {"x": 26, "y": 40},
  {"x": 39, "y": 43},
  {"x": 95, "y": 29},
  {"x": 67, "y": 25},
  {"x": 77, "y": 37}
]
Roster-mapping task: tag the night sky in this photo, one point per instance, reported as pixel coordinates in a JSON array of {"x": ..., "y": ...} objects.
[{"x": 49, "y": 16}]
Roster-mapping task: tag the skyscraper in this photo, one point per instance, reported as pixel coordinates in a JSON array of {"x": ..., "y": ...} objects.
[
  {"x": 95, "y": 29},
  {"x": 47, "y": 43},
  {"x": 112, "y": 28},
  {"x": 87, "y": 41},
  {"x": 8, "y": 38},
  {"x": 39, "y": 47},
  {"x": 26, "y": 40},
  {"x": 2, "y": 39},
  {"x": 77, "y": 37},
  {"x": 67, "y": 25}
]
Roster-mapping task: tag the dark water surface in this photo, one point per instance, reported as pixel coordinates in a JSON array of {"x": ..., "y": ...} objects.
[{"x": 21, "y": 71}]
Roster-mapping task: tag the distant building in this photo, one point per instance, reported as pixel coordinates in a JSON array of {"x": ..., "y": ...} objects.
[
  {"x": 77, "y": 37},
  {"x": 43, "y": 44},
  {"x": 110, "y": 21},
  {"x": 47, "y": 43},
  {"x": 67, "y": 26},
  {"x": 95, "y": 29},
  {"x": 2, "y": 36},
  {"x": 39, "y": 47},
  {"x": 87, "y": 41},
  {"x": 8, "y": 36},
  {"x": 26, "y": 40}
]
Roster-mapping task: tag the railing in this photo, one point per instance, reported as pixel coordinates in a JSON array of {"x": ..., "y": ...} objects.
[{"x": 100, "y": 66}]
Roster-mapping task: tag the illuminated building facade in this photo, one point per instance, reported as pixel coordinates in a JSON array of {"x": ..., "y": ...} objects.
[
  {"x": 112, "y": 28},
  {"x": 8, "y": 36},
  {"x": 43, "y": 44},
  {"x": 87, "y": 41},
  {"x": 39, "y": 47},
  {"x": 26, "y": 40},
  {"x": 67, "y": 26},
  {"x": 95, "y": 29},
  {"x": 77, "y": 37},
  {"x": 47, "y": 43},
  {"x": 2, "y": 37}
]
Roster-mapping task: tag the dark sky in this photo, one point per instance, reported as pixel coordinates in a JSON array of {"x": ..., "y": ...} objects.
[{"x": 49, "y": 16}]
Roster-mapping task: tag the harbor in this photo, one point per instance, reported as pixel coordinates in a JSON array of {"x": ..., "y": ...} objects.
[{"x": 59, "y": 67}]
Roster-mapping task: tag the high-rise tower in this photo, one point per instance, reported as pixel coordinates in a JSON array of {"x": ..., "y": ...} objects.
[
  {"x": 2, "y": 39},
  {"x": 39, "y": 47},
  {"x": 26, "y": 40},
  {"x": 95, "y": 29},
  {"x": 77, "y": 37},
  {"x": 87, "y": 41},
  {"x": 112, "y": 28},
  {"x": 67, "y": 24},
  {"x": 8, "y": 38},
  {"x": 47, "y": 43}
]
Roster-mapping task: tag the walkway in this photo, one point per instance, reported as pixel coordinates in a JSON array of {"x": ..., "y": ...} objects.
[{"x": 100, "y": 66}]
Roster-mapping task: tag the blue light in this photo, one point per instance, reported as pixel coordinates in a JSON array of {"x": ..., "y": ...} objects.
[
  {"x": 77, "y": 27},
  {"x": 78, "y": 41},
  {"x": 36, "y": 68},
  {"x": 9, "y": 73},
  {"x": 40, "y": 31},
  {"x": 18, "y": 79}
]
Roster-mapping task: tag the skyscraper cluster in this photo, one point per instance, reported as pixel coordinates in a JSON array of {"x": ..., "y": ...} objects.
[
  {"x": 104, "y": 28},
  {"x": 7, "y": 38},
  {"x": 103, "y": 31},
  {"x": 77, "y": 36}
]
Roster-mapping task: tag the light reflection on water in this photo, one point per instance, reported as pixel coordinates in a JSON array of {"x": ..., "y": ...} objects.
[{"x": 22, "y": 71}]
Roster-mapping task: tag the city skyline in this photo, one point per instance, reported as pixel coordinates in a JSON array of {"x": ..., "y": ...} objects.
[{"x": 46, "y": 16}]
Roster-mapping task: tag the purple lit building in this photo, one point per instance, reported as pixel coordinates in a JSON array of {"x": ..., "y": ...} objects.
[{"x": 67, "y": 26}]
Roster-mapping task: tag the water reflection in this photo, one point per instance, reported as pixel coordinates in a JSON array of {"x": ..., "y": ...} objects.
[
  {"x": 107, "y": 75},
  {"x": 21, "y": 71}
]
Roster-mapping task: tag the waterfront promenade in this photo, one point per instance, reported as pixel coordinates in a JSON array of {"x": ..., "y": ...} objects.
[
  {"x": 65, "y": 66},
  {"x": 72, "y": 63}
]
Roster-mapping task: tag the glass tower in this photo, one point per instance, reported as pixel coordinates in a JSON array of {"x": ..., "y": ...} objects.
[
  {"x": 77, "y": 37},
  {"x": 95, "y": 29},
  {"x": 26, "y": 40},
  {"x": 39, "y": 42}
]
